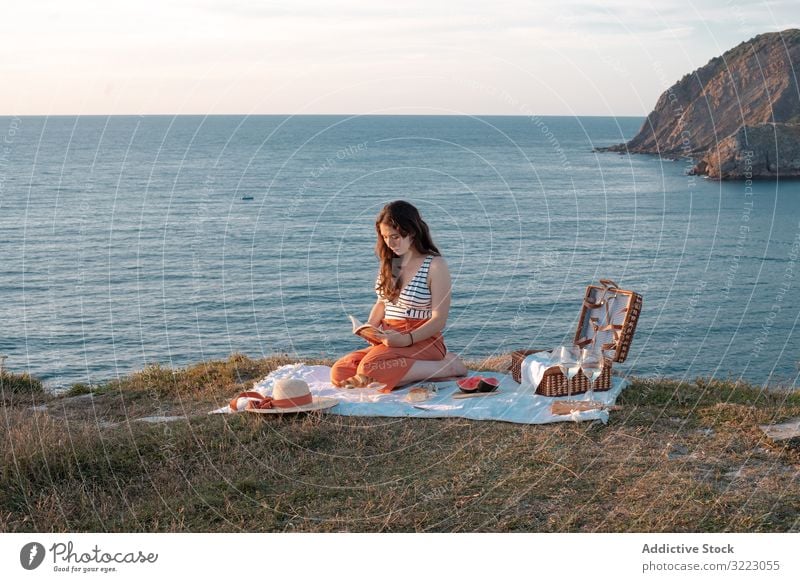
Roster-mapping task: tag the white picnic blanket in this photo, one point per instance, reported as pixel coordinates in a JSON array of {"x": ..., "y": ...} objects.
[{"x": 511, "y": 402}]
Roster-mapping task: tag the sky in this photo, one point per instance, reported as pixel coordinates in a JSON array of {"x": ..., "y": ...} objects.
[{"x": 502, "y": 57}]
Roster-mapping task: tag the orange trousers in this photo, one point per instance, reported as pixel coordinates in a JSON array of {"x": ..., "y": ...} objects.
[{"x": 389, "y": 365}]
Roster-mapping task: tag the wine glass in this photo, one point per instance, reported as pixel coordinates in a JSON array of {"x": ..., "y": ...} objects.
[
  {"x": 567, "y": 360},
  {"x": 592, "y": 364}
]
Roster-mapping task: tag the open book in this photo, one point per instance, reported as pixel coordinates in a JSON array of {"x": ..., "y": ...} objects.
[{"x": 369, "y": 332}]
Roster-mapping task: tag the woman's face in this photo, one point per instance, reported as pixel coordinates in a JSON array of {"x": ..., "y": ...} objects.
[{"x": 394, "y": 240}]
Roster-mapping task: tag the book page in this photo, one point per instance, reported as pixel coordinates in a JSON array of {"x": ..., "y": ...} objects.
[{"x": 369, "y": 332}]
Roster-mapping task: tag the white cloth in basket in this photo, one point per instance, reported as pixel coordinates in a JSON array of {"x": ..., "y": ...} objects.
[{"x": 533, "y": 368}]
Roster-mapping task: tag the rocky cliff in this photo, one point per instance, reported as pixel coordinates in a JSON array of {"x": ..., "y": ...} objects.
[
  {"x": 751, "y": 153},
  {"x": 752, "y": 86}
]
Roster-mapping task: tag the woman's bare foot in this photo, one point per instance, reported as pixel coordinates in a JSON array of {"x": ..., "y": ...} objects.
[
  {"x": 454, "y": 367},
  {"x": 357, "y": 381},
  {"x": 448, "y": 368}
]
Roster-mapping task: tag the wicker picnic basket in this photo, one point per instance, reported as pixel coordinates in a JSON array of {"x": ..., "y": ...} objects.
[
  {"x": 608, "y": 319},
  {"x": 554, "y": 383}
]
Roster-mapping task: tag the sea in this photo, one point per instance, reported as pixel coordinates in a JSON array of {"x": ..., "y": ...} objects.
[{"x": 128, "y": 241}]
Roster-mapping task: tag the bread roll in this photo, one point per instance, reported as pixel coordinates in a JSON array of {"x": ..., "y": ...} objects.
[{"x": 418, "y": 395}]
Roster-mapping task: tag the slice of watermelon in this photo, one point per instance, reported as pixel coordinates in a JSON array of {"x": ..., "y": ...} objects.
[
  {"x": 488, "y": 384},
  {"x": 469, "y": 384}
]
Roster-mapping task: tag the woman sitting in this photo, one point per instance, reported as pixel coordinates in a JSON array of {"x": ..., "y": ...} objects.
[{"x": 413, "y": 288}]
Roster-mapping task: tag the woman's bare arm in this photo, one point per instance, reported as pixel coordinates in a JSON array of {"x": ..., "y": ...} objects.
[{"x": 377, "y": 313}]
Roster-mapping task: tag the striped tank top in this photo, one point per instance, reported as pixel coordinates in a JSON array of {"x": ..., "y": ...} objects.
[{"x": 414, "y": 301}]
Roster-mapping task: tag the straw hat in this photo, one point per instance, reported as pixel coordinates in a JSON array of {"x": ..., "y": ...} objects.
[{"x": 288, "y": 395}]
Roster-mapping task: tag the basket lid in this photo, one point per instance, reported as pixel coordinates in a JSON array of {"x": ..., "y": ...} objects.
[{"x": 608, "y": 319}]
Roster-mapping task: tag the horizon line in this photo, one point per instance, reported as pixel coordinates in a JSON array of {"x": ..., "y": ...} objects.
[{"x": 13, "y": 115}]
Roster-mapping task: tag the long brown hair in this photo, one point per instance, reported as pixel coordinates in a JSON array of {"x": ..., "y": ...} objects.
[{"x": 405, "y": 218}]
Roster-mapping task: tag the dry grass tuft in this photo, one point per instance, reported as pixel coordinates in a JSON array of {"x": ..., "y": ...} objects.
[{"x": 21, "y": 389}]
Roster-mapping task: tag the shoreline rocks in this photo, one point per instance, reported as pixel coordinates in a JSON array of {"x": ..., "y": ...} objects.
[{"x": 754, "y": 152}]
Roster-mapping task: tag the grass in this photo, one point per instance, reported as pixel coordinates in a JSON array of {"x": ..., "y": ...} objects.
[
  {"x": 20, "y": 384},
  {"x": 21, "y": 389},
  {"x": 677, "y": 457}
]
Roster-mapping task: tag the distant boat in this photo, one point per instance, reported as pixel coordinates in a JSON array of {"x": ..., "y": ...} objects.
[{"x": 248, "y": 198}]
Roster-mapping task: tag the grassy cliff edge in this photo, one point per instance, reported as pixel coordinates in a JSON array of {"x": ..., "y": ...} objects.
[{"x": 678, "y": 456}]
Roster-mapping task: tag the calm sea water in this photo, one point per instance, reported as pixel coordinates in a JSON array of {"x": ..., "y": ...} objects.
[{"x": 126, "y": 241}]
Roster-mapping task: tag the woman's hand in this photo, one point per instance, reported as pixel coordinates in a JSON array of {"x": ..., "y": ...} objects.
[{"x": 395, "y": 339}]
